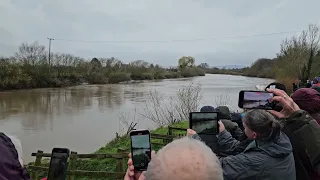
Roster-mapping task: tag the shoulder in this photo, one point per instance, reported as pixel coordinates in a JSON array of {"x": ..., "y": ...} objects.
[
  {"x": 299, "y": 121},
  {"x": 16, "y": 144}
]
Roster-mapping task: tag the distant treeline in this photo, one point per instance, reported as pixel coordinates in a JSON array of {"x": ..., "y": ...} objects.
[
  {"x": 30, "y": 68},
  {"x": 298, "y": 59}
]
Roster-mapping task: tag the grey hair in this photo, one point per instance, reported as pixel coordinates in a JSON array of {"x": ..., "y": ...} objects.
[
  {"x": 186, "y": 159},
  {"x": 263, "y": 123}
]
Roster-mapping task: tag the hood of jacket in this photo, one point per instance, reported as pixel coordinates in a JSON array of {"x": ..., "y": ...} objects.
[
  {"x": 224, "y": 112},
  {"x": 278, "y": 148}
]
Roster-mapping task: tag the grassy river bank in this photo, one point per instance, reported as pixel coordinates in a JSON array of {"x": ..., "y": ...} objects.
[{"x": 108, "y": 164}]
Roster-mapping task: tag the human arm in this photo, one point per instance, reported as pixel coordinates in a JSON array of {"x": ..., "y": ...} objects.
[
  {"x": 304, "y": 134},
  {"x": 226, "y": 142},
  {"x": 193, "y": 134}
]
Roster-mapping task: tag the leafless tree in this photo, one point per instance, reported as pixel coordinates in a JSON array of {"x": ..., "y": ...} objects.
[
  {"x": 164, "y": 110},
  {"x": 139, "y": 63},
  {"x": 298, "y": 53},
  {"x": 222, "y": 99},
  {"x": 129, "y": 120},
  {"x": 31, "y": 53},
  {"x": 188, "y": 100}
]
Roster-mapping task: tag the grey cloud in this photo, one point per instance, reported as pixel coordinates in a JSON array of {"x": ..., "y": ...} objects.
[{"x": 143, "y": 20}]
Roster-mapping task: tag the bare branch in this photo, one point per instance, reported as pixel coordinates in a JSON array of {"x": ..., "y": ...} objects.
[{"x": 164, "y": 110}]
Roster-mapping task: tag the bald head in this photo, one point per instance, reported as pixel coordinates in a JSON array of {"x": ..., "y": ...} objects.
[{"x": 186, "y": 159}]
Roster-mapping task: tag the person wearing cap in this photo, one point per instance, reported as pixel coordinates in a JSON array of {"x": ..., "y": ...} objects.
[
  {"x": 277, "y": 86},
  {"x": 309, "y": 100},
  {"x": 225, "y": 117},
  {"x": 304, "y": 134}
]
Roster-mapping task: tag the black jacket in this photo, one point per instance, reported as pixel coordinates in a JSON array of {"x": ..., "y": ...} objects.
[{"x": 304, "y": 134}]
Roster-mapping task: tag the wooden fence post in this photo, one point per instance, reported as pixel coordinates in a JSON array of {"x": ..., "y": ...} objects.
[
  {"x": 73, "y": 163},
  {"x": 120, "y": 167},
  {"x": 37, "y": 163},
  {"x": 169, "y": 130}
]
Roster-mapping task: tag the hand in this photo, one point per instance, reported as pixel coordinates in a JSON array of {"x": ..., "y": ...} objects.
[
  {"x": 190, "y": 132},
  {"x": 288, "y": 105},
  {"x": 221, "y": 126},
  {"x": 135, "y": 175}
]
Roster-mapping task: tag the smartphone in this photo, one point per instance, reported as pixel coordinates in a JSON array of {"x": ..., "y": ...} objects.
[
  {"x": 256, "y": 100},
  {"x": 58, "y": 164},
  {"x": 140, "y": 149},
  {"x": 204, "y": 122}
]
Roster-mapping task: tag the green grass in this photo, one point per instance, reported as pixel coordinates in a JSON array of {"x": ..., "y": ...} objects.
[{"x": 112, "y": 147}]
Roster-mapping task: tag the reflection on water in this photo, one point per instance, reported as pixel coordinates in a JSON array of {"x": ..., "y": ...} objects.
[
  {"x": 41, "y": 106},
  {"x": 83, "y": 118}
]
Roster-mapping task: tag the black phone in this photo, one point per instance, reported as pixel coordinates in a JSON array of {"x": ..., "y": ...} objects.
[
  {"x": 256, "y": 100},
  {"x": 140, "y": 149},
  {"x": 58, "y": 164},
  {"x": 204, "y": 122}
]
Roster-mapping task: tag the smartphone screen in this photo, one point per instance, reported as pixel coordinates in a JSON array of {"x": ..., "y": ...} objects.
[
  {"x": 204, "y": 122},
  {"x": 256, "y": 100},
  {"x": 140, "y": 149},
  {"x": 58, "y": 164}
]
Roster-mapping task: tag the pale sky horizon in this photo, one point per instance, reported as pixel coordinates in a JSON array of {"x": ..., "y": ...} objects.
[{"x": 207, "y": 22}]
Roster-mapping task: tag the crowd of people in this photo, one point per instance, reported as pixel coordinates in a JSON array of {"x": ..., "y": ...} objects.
[
  {"x": 315, "y": 84},
  {"x": 283, "y": 143}
]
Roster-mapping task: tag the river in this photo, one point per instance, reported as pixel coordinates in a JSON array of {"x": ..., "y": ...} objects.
[{"x": 84, "y": 118}]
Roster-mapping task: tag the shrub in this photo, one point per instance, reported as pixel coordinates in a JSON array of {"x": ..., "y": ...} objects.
[
  {"x": 188, "y": 72},
  {"x": 96, "y": 78},
  {"x": 141, "y": 76},
  {"x": 118, "y": 77},
  {"x": 159, "y": 75}
]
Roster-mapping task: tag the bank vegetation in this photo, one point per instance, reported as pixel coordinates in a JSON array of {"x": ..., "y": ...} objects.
[
  {"x": 297, "y": 59},
  {"x": 31, "y": 67}
]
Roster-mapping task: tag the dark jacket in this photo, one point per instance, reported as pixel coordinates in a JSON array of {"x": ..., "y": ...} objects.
[
  {"x": 10, "y": 166},
  {"x": 263, "y": 160},
  {"x": 304, "y": 134},
  {"x": 232, "y": 127}
]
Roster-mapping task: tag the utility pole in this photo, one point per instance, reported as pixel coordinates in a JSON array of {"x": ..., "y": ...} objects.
[{"x": 50, "y": 39}]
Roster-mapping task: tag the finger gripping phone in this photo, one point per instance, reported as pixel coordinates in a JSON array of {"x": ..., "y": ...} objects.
[
  {"x": 256, "y": 100},
  {"x": 58, "y": 164},
  {"x": 140, "y": 149}
]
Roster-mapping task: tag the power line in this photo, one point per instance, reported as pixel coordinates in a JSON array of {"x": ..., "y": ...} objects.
[{"x": 176, "y": 40}]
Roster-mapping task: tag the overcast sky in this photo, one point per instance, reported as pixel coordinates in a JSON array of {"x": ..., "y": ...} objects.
[{"x": 209, "y": 21}]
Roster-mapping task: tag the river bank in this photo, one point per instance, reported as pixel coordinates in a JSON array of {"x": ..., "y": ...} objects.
[
  {"x": 108, "y": 164},
  {"x": 18, "y": 76}
]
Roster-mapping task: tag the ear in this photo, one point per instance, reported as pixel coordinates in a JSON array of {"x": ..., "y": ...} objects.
[{"x": 254, "y": 135}]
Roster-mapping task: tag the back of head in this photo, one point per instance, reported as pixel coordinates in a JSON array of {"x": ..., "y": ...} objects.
[
  {"x": 207, "y": 109},
  {"x": 278, "y": 86},
  {"x": 263, "y": 123},
  {"x": 307, "y": 99},
  {"x": 224, "y": 112},
  {"x": 186, "y": 159}
]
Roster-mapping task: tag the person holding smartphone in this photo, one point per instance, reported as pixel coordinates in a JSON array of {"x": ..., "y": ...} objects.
[
  {"x": 268, "y": 156},
  {"x": 185, "y": 159},
  {"x": 304, "y": 134}
]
